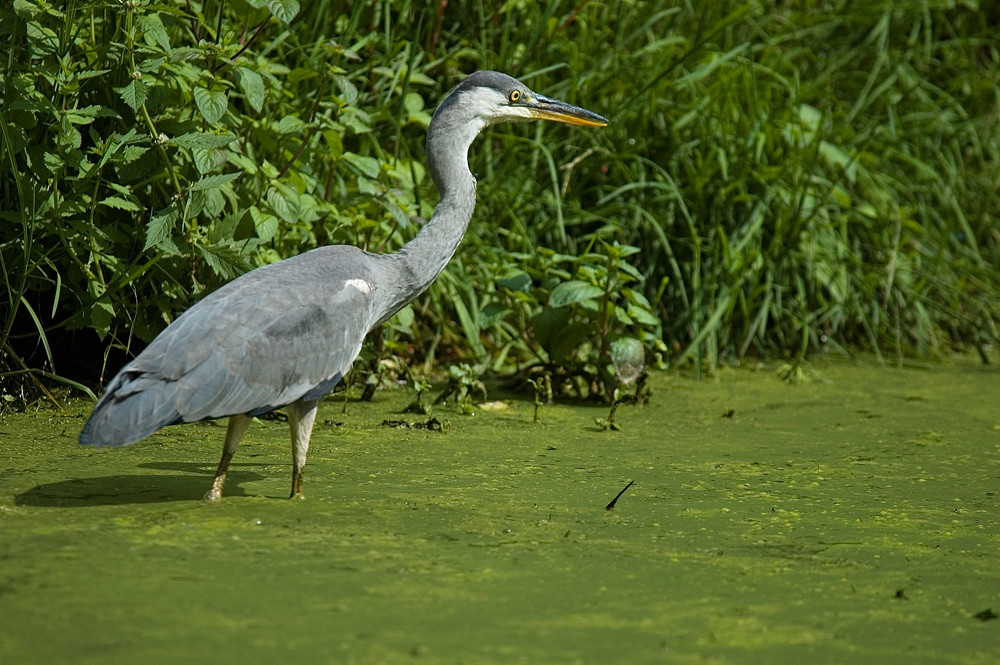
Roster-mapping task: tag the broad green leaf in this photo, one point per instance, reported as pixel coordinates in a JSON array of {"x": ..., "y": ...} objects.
[
  {"x": 154, "y": 32},
  {"x": 283, "y": 10},
  {"x": 285, "y": 202},
  {"x": 628, "y": 358},
  {"x": 414, "y": 104},
  {"x": 290, "y": 124},
  {"x": 621, "y": 315},
  {"x": 121, "y": 204},
  {"x": 87, "y": 114},
  {"x": 215, "y": 202},
  {"x": 573, "y": 291},
  {"x": 214, "y": 181},
  {"x": 69, "y": 136},
  {"x": 265, "y": 224},
  {"x": 134, "y": 94},
  {"x": 334, "y": 143},
  {"x": 209, "y": 159},
  {"x": 516, "y": 281},
  {"x": 199, "y": 140},
  {"x": 52, "y": 161},
  {"x": 43, "y": 40},
  {"x": 91, "y": 73},
  {"x": 253, "y": 87},
  {"x": 211, "y": 103},
  {"x": 637, "y": 298},
  {"x": 348, "y": 91},
  {"x": 26, "y": 9},
  {"x": 241, "y": 162},
  {"x": 643, "y": 316},
  {"x": 841, "y": 196},
  {"x": 195, "y": 203},
  {"x": 225, "y": 260},
  {"x": 366, "y": 186},
  {"x": 130, "y": 153},
  {"x": 150, "y": 65},
  {"x": 369, "y": 166},
  {"x": 629, "y": 270},
  {"x": 356, "y": 120},
  {"x": 121, "y": 189},
  {"x": 301, "y": 74},
  {"x": 102, "y": 313},
  {"x": 160, "y": 226}
]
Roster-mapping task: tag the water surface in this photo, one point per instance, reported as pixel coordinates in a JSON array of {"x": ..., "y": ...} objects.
[{"x": 849, "y": 519}]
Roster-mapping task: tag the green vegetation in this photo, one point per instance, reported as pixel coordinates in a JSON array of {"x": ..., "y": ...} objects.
[{"x": 776, "y": 177}]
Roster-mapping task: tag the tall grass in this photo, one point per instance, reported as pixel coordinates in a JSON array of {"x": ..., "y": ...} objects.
[
  {"x": 795, "y": 178},
  {"x": 813, "y": 177}
]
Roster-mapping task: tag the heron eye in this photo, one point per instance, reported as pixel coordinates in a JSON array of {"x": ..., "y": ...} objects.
[{"x": 515, "y": 96}]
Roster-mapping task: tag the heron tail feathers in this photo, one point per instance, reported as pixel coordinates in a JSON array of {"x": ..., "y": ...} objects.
[{"x": 130, "y": 410}]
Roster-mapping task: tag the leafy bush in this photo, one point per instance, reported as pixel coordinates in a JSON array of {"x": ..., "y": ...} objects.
[
  {"x": 789, "y": 176},
  {"x": 157, "y": 154}
]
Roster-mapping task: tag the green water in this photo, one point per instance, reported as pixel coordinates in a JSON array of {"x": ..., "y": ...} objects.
[{"x": 850, "y": 519}]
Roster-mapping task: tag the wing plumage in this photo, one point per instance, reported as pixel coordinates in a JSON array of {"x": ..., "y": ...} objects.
[{"x": 269, "y": 338}]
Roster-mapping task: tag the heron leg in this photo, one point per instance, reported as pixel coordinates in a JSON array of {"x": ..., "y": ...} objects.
[
  {"x": 237, "y": 426},
  {"x": 301, "y": 416}
]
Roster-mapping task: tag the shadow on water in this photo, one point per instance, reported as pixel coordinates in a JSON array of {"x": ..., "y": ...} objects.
[{"x": 133, "y": 489}]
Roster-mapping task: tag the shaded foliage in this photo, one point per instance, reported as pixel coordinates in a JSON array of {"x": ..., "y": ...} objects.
[{"x": 777, "y": 176}]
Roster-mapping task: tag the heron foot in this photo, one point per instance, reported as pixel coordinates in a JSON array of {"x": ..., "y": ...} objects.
[{"x": 213, "y": 495}]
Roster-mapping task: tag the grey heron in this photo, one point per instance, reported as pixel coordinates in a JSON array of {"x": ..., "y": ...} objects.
[{"x": 285, "y": 334}]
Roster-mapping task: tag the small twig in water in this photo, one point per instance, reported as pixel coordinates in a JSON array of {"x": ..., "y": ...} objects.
[{"x": 611, "y": 505}]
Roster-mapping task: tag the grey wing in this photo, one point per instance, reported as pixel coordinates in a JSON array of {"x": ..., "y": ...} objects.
[
  {"x": 278, "y": 352},
  {"x": 255, "y": 345}
]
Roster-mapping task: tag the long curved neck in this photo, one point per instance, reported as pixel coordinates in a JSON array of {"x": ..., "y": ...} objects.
[
  {"x": 451, "y": 133},
  {"x": 427, "y": 254}
]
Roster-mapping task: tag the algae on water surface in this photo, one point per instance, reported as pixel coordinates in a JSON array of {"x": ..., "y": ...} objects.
[{"x": 852, "y": 518}]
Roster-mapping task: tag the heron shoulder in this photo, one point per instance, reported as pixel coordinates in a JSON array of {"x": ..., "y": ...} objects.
[{"x": 329, "y": 277}]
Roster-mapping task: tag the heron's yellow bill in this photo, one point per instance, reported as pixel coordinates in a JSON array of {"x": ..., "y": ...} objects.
[{"x": 544, "y": 108}]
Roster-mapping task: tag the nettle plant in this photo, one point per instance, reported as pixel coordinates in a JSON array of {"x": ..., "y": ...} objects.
[
  {"x": 590, "y": 324},
  {"x": 154, "y": 151}
]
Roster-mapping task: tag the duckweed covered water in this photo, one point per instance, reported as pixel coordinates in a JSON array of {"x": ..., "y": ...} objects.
[{"x": 850, "y": 519}]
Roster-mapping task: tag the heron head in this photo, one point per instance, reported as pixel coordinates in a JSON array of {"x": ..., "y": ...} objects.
[
  {"x": 497, "y": 97},
  {"x": 482, "y": 99}
]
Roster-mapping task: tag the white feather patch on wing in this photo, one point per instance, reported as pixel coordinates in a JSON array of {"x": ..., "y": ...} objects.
[{"x": 359, "y": 284}]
